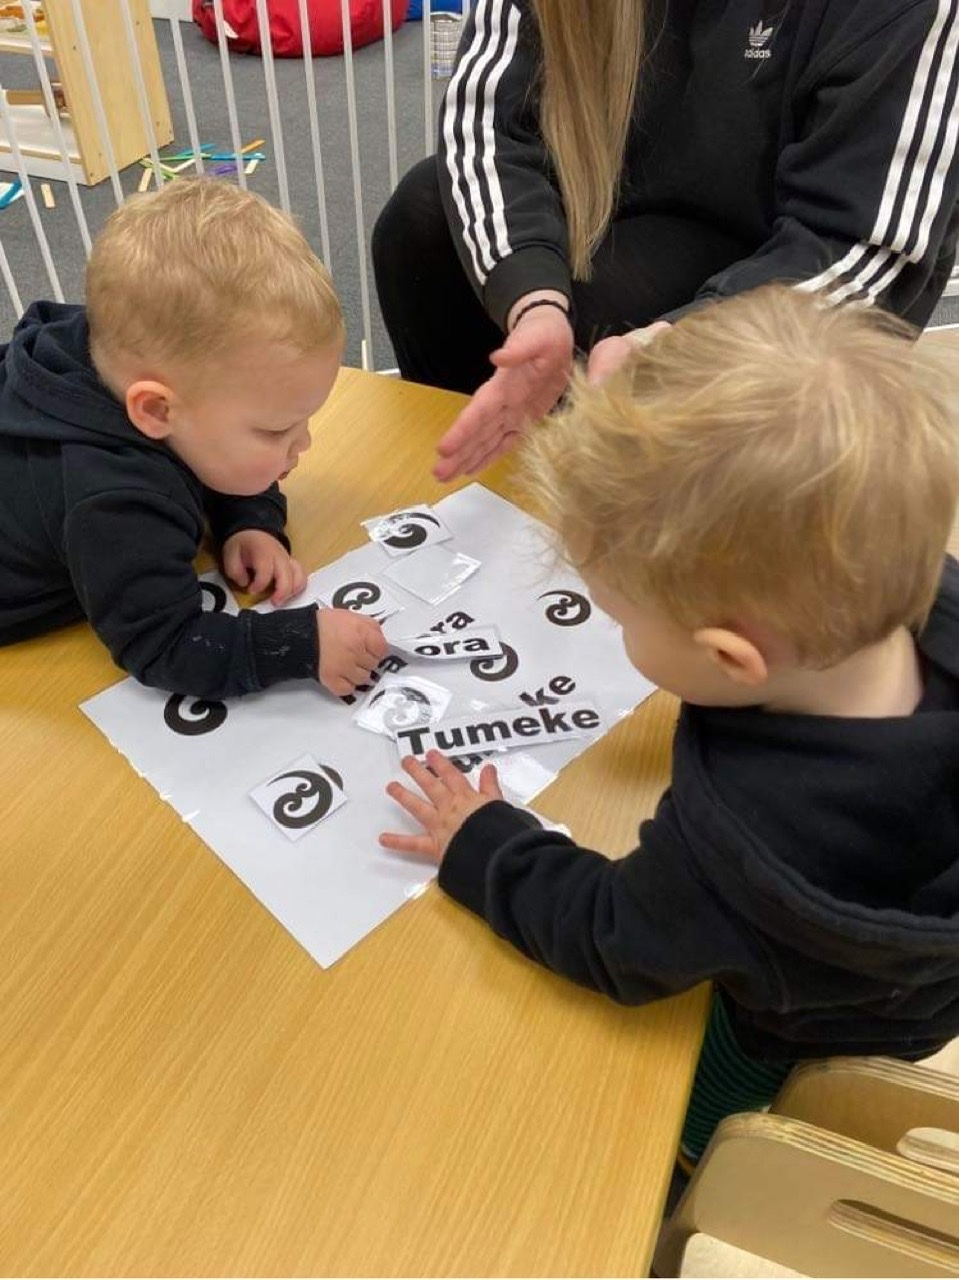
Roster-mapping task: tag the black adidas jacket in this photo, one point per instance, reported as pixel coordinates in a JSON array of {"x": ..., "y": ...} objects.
[
  {"x": 98, "y": 521},
  {"x": 808, "y": 864},
  {"x": 821, "y": 131}
]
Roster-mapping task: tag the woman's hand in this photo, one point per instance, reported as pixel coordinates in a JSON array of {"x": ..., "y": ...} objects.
[{"x": 532, "y": 369}]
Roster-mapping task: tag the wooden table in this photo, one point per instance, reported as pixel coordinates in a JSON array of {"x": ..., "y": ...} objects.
[{"x": 183, "y": 1091}]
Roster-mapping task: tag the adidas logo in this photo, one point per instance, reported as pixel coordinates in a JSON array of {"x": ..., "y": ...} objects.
[{"x": 758, "y": 39}]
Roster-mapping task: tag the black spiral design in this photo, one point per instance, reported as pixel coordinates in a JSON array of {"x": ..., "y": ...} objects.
[
  {"x": 193, "y": 716},
  {"x": 411, "y": 532},
  {"x": 569, "y": 609},
  {"x": 499, "y": 667},
  {"x": 406, "y": 707},
  {"x": 355, "y": 595},
  {"x": 308, "y": 801}
]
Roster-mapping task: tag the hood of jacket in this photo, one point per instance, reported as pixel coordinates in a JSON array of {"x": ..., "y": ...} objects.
[{"x": 49, "y": 388}]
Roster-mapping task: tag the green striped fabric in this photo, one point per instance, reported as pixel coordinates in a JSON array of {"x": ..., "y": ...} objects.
[{"x": 727, "y": 1081}]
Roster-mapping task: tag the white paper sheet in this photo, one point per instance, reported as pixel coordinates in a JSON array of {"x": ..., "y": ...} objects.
[{"x": 334, "y": 884}]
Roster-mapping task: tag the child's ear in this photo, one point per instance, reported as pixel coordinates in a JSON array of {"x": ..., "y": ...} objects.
[
  {"x": 737, "y": 656},
  {"x": 148, "y": 406}
]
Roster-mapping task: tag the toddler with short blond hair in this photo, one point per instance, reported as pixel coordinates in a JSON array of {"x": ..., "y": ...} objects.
[
  {"x": 762, "y": 499},
  {"x": 179, "y": 396}
]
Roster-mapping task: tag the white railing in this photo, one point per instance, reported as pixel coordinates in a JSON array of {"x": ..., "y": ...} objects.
[{"x": 363, "y": 216}]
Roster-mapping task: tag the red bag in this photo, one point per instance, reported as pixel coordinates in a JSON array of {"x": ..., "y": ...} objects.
[{"x": 326, "y": 31}]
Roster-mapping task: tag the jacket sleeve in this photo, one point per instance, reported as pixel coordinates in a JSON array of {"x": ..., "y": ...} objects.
[
  {"x": 143, "y": 599},
  {"x": 636, "y": 929},
  {"x": 501, "y": 201},
  {"x": 228, "y": 514},
  {"x": 866, "y": 195}
]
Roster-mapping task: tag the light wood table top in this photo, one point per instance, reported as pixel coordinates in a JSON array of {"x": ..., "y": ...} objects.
[{"x": 184, "y": 1091}]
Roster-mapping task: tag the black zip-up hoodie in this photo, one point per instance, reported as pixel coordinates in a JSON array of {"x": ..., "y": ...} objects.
[
  {"x": 808, "y": 864},
  {"x": 820, "y": 132},
  {"x": 98, "y": 521}
]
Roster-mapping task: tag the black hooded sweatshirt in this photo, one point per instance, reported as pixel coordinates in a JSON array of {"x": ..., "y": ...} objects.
[
  {"x": 808, "y": 864},
  {"x": 98, "y": 521}
]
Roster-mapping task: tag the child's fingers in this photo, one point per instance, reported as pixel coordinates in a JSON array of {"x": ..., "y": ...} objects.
[
  {"x": 371, "y": 657},
  {"x": 489, "y": 782},
  {"x": 447, "y": 773},
  {"x": 416, "y": 807},
  {"x": 233, "y": 565},
  {"x": 282, "y": 581},
  {"x": 409, "y": 844},
  {"x": 264, "y": 571},
  {"x": 433, "y": 787},
  {"x": 297, "y": 576},
  {"x": 375, "y": 641}
]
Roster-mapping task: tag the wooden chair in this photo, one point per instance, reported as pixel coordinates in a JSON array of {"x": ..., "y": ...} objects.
[{"x": 849, "y": 1174}]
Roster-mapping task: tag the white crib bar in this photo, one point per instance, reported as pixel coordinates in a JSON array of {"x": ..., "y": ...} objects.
[
  {"x": 9, "y": 281},
  {"x": 269, "y": 75},
  {"x": 390, "y": 91},
  {"x": 187, "y": 92},
  {"x": 143, "y": 99},
  {"x": 228, "y": 89},
  {"x": 366, "y": 345},
  {"x": 6, "y": 120},
  {"x": 428, "y": 128},
  {"x": 53, "y": 113},
  {"x": 315, "y": 130}
]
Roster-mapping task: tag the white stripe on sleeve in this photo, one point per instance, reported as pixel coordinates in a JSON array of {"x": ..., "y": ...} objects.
[
  {"x": 477, "y": 190},
  {"x": 454, "y": 156},
  {"x": 922, "y": 106}
]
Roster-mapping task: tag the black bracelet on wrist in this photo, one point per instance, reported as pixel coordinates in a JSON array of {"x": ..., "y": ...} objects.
[{"x": 541, "y": 302}]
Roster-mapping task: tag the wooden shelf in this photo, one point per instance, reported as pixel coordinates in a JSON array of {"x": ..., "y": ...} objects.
[
  {"x": 38, "y": 143},
  {"x": 21, "y": 44},
  {"x": 12, "y": 41},
  {"x": 105, "y": 28}
]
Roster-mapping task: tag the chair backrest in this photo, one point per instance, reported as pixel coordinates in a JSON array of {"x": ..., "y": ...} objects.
[
  {"x": 817, "y": 1202},
  {"x": 895, "y": 1106}
]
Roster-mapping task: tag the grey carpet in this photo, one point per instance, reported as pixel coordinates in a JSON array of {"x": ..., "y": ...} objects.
[
  {"x": 209, "y": 101},
  {"x": 16, "y": 232}
]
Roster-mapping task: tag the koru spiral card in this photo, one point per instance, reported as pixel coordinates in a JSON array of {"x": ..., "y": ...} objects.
[
  {"x": 405, "y": 530},
  {"x": 288, "y": 789}
]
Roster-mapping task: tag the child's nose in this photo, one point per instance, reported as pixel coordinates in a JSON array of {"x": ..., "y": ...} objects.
[{"x": 301, "y": 442}]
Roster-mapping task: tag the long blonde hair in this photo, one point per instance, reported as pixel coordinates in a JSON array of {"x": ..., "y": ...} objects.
[{"x": 591, "y": 56}]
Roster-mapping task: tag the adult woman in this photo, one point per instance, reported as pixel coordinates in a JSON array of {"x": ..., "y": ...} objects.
[{"x": 605, "y": 164}]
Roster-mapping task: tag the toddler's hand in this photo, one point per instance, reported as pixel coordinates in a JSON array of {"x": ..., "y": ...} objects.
[
  {"x": 350, "y": 647},
  {"x": 253, "y": 558},
  {"x": 608, "y": 354},
  {"x": 450, "y": 800}
]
